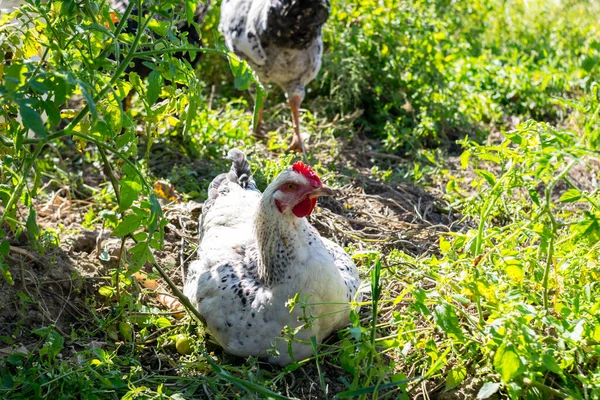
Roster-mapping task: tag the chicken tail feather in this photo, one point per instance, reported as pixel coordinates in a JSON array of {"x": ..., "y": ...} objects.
[
  {"x": 240, "y": 172},
  {"x": 296, "y": 23}
]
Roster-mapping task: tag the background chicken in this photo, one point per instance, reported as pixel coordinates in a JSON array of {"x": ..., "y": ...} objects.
[
  {"x": 281, "y": 40},
  {"x": 257, "y": 252}
]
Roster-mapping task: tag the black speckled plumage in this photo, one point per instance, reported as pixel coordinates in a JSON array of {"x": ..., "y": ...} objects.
[{"x": 294, "y": 24}]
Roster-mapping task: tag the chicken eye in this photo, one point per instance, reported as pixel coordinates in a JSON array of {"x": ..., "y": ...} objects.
[{"x": 290, "y": 187}]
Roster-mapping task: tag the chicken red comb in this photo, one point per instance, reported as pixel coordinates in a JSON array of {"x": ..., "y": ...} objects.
[{"x": 307, "y": 172}]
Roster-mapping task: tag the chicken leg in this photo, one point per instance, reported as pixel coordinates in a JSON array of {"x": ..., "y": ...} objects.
[{"x": 297, "y": 143}]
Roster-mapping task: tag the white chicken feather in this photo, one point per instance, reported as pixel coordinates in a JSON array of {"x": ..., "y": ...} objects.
[{"x": 257, "y": 252}]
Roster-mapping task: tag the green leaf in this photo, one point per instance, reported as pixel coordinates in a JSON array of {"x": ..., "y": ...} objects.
[
  {"x": 33, "y": 231},
  {"x": 419, "y": 296},
  {"x": 446, "y": 318},
  {"x": 154, "y": 87},
  {"x": 60, "y": 91},
  {"x": 39, "y": 86},
  {"x": 534, "y": 196},
  {"x": 190, "y": 114},
  {"x": 551, "y": 364},
  {"x": 104, "y": 129},
  {"x": 111, "y": 331},
  {"x": 455, "y": 377},
  {"x": 126, "y": 331},
  {"x": 126, "y": 141},
  {"x": 517, "y": 139},
  {"x": 162, "y": 322},
  {"x": 241, "y": 76},
  {"x": 101, "y": 354},
  {"x": 355, "y": 332},
  {"x": 507, "y": 362},
  {"x": 7, "y": 381},
  {"x": 53, "y": 346},
  {"x": 14, "y": 76},
  {"x": 515, "y": 272},
  {"x": 464, "y": 159},
  {"x": 6, "y": 274},
  {"x": 53, "y": 113},
  {"x": 88, "y": 99},
  {"x": 130, "y": 191},
  {"x": 259, "y": 103},
  {"x": 129, "y": 224},
  {"x": 488, "y": 176},
  {"x": 140, "y": 253},
  {"x": 4, "y": 247},
  {"x": 445, "y": 245},
  {"x": 399, "y": 377},
  {"x": 570, "y": 196},
  {"x": 589, "y": 63},
  {"x": 32, "y": 119},
  {"x": 159, "y": 27},
  {"x": 106, "y": 291},
  {"x": 155, "y": 214},
  {"x": 589, "y": 228},
  {"x": 438, "y": 364},
  {"x": 487, "y": 390},
  {"x": 5, "y": 193},
  {"x": 190, "y": 10}
]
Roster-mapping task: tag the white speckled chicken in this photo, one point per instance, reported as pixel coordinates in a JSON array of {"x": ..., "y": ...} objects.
[
  {"x": 281, "y": 40},
  {"x": 257, "y": 252}
]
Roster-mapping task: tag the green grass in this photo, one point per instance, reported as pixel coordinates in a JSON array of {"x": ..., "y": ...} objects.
[{"x": 492, "y": 107}]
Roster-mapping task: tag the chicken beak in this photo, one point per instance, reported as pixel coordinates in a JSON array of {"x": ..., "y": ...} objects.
[{"x": 324, "y": 190}]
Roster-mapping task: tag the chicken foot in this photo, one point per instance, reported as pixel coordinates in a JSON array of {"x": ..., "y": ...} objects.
[{"x": 297, "y": 142}]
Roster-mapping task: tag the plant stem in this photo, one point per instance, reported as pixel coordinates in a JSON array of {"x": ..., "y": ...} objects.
[
  {"x": 313, "y": 342},
  {"x": 545, "y": 388},
  {"x": 110, "y": 173},
  {"x": 553, "y": 230},
  {"x": 17, "y": 192},
  {"x": 119, "y": 263},
  {"x": 181, "y": 49},
  {"x": 548, "y": 266},
  {"x": 119, "y": 27},
  {"x": 375, "y": 292},
  {"x": 486, "y": 211},
  {"x": 182, "y": 298}
]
